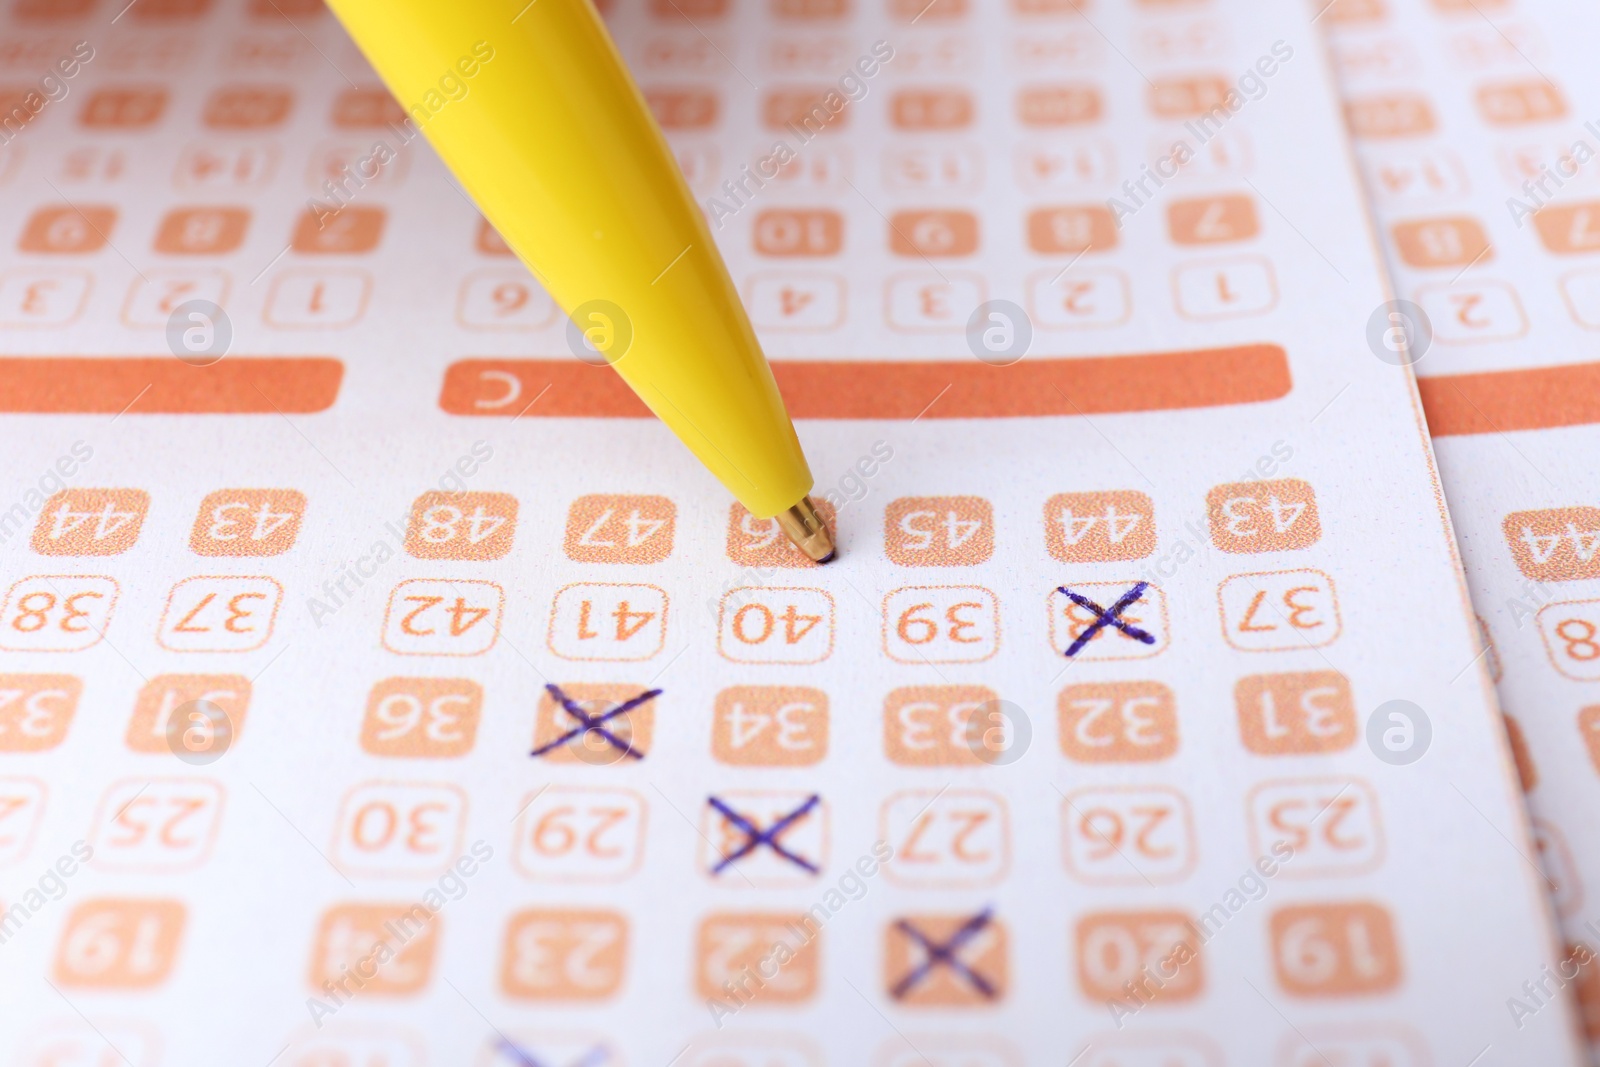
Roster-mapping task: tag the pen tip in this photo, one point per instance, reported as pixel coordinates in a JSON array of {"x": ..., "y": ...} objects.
[{"x": 802, "y": 525}]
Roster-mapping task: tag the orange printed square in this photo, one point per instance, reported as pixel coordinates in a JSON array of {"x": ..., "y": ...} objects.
[
  {"x": 1341, "y": 949},
  {"x": 754, "y": 542},
  {"x": 1213, "y": 220},
  {"x": 564, "y": 954},
  {"x": 765, "y": 957},
  {"x": 946, "y": 961},
  {"x": 939, "y": 725},
  {"x": 939, "y": 531},
  {"x": 1047, "y": 106},
  {"x": 422, "y": 718},
  {"x": 1446, "y": 242},
  {"x": 1555, "y": 544},
  {"x": 1072, "y": 229},
  {"x": 124, "y": 108},
  {"x": 684, "y": 109},
  {"x": 194, "y": 231},
  {"x": 374, "y": 949},
  {"x": 247, "y": 107},
  {"x": 808, "y": 109},
  {"x": 1118, "y": 722},
  {"x": 594, "y": 723},
  {"x": 1104, "y": 527},
  {"x": 933, "y": 234},
  {"x": 352, "y": 230},
  {"x": 1275, "y": 516},
  {"x": 1295, "y": 713},
  {"x": 65, "y": 231},
  {"x": 189, "y": 713},
  {"x": 606, "y": 528},
  {"x": 1569, "y": 229},
  {"x": 1187, "y": 98},
  {"x": 36, "y": 709},
  {"x": 1391, "y": 115},
  {"x": 769, "y": 726},
  {"x": 448, "y": 525},
  {"x": 366, "y": 109},
  {"x": 112, "y": 943},
  {"x": 799, "y": 232},
  {"x": 90, "y": 522},
  {"x": 931, "y": 109},
  {"x": 1519, "y": 103},
  {"x": 1149, "y": 956},
  {"x": 247, "y": 522}
]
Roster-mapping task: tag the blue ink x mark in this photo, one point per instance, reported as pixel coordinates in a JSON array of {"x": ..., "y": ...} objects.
[
  {"x": 595, "y": 723},
  {"x": 1104, "y": 617},
  {"x": 755, "y": 836},
  {"x": 523, "y": 1058},
  {"x": 944, "y": 953}
]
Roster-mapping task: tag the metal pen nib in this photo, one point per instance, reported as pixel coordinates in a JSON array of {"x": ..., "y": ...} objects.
[{"x": 806, "y": 529}]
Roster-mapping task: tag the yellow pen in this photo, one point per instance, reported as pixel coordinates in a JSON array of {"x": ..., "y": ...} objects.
[{"x": 532, "y": 108}]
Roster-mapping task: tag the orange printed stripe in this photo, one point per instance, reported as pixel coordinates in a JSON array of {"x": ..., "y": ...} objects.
[
  {"x": 1498, "y": 401},
  {"x": 946, "y": 389},
  {"x": 162, "y": 385}
]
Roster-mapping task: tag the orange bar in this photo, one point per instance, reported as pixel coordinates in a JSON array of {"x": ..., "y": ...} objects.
[
  {"x": 163, "y": 385},
  {"x": 1498, "y": 401},
  {"x": 945, "y": 389}
]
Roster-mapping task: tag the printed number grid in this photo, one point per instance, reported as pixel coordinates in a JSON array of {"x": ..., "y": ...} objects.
[
  {"x": 400, "y": 699},
  {"x": 1493, "y": 168}
]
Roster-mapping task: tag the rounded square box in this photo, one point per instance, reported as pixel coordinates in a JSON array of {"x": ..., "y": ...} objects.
[
  {"x": 729, "y": 944},
  {"x": 1342, "y": 949},
  {"x": 451, "y": 525},
  {"x": 1128, "y": 835},
  {"x": 503, "y": 298},
  {"x": 443, "y": 617},
  {"x": 941, "y": 624},
  {"x": 946, "y": 839},
  {"x": 36, "y": 709},
  {"x": 608, "y": 621},
  {"x": 1330, "y": 824},
  {"x": 1554, "y": 544},
  {"x": 620, "y": 528},
  {"x": 90, "y": 522},
  {"x": 1279, "y": 611},
  {"x": 769, "y": 726},
  {"x": 1295, "y": 713},
  {"x": 1118, "y": 722},
  {"x": 1442, "y": 242},
  {"x": 156, "y": 825},
  {"x": 580, "y": 834},
  {"x": 939, "y": 531},
  {"x": 399, "y": 829},
  {"x": 1103, "y": 527},
  {"x": 1225, "y": 288},
  {"x": 564, "y": 954},
  {"x": 1116, "y": 950},
  {"x": 247, "y": 522},
  {"x": 353, "y": 230},
  {"x": 57, "y": 612},
  {"x": 323, "y": 299},
  {"x": 395, "y": 943},
  {"x": 933, "y": 233},
  {"x": 946, "y": 960},
  {"x": 1271, "y": 516},
  {"x": 932, "y": 725},
  {"x": 1108, "y": 620},
  {"x": 775, "y": 624},
  {"x": 1213, "y": 220},
  {"x": 119, "y": 943},
  {"x": 166, "y": 695},
  {"x": 754, "y": 542},
  {"x": 201, "y": 231},
  {"x": 68, "y": 231},
  {"x": 219, "y": 613},
  {"x": 422, "y": 718}
]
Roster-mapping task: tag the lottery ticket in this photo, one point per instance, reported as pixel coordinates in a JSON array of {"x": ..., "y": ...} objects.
[
  {"x": 379, "y": 685},
  {"x": 1476, "y": 127}
]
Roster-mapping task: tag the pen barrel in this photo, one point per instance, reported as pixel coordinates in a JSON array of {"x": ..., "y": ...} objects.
[{"x": 532, "y": 108}]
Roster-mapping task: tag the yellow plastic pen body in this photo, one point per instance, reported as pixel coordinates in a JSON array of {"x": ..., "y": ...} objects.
[{"x": 533, "y": 109}]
